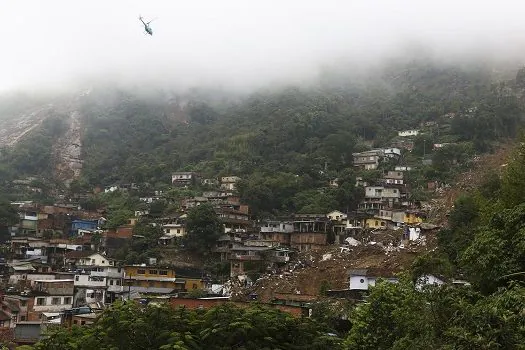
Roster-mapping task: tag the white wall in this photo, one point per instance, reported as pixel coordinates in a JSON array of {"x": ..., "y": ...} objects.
[
  {"x": 358, "y": 283},
  {"x": 49, "y": 307}
]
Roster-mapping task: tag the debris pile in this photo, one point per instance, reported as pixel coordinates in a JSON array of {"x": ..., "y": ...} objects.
[{"x": 330, "y": 266}]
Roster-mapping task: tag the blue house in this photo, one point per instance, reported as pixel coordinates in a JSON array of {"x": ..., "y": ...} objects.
[{"x": 88, "y": 225}]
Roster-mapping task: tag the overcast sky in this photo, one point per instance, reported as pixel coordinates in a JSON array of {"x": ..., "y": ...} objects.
[{"x": 235, "y": 43}]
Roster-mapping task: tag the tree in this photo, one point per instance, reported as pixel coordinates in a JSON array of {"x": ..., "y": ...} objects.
[
  {"x": 131, "y": 326},
  {"x": 8, "y": 217},
  {"x": 118, "y": 218},
  {"x": 203, "y": 228}
]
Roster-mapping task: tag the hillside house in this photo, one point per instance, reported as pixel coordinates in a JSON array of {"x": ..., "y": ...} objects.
[
  {"x": 50, "y": 296},
  {"x": 234, "y": 218},
  {"x": 95, "y": 259},
  {"x": 85, "y": 225},
  {"x": 393, "y": 152},
  {"x": 278, "y": 231},
  {"x": 16, "y": 308},
  {"x": 413, "y": 217},
  {"x": 375, "y": 223},
  {"x": 363, "y": 279},
  {"x": 402, "y": 168},
  {"x": 408, "y": 133},
  {"x": 225, "y": 244},
  {"x": 97, "y": 284},
  {"x": 336, "y": 215},
  {"x": 184, "y": 179},
  {"x": 309, "y": 232},
  {"x": 210, "y": 182},
  {"x": 334, "y": 183},
  {"x": 393, "y": 177},
  {"x": 368, "y": 160},
  {"x": 258, "y": 256},
  {"x": 355, "y": 221},
  {"x": 383, "y": 193},
  {"x": 158, "y": 280},
  {"x": 174, "y": 230},
  {"x": 229, "y": 183}
]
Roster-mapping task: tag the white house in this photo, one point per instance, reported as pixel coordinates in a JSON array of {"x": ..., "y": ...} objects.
[
  {"x": 336, "y": 215},
  {"x": 229, "y": 182},
  {"x": 392, "y": 152},
  {"x": 405, "y": 133},
  {"x": 174, "y": 230},
  {"x": 428, "y": 280},
  {"x": 362, "y": 279},
  {"x": 381, "y": 192},
  {"x": 96, "y": 259},
  {"x": 100, "y": 284}
]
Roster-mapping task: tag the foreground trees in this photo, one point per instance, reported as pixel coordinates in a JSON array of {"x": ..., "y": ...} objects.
[{"x": 132, "y": 326}]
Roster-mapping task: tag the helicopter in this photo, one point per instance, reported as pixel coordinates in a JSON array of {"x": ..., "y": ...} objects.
[{"x": 147, "y": 28}]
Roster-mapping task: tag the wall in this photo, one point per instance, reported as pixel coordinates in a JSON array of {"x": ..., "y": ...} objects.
[
  {"x": 95, "y": 260},
  {"x": 148, "y": 271},
  {"x": 358, "y": 283},
  {"x": 209, "y": 303},
  {"x": 304, "y": 241},
  {"x": 375, "y": 223},
  {"x": 34, "y": 313}
]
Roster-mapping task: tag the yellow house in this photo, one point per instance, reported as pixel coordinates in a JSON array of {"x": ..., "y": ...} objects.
[
  {"x": 157, "y": 280},
  {"x": 375, "y": 223},
  {"x": 412, "y": 217}
]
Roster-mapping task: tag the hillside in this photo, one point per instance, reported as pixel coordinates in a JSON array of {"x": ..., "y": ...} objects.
[
  {"x": 286, "y": 144},
  {"x": 380, "y": 251}
]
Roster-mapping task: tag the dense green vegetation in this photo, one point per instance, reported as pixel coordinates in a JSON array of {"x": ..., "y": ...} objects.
[
  {"x": 130, "y": 326},
  {"x": 203, "y": 228},
  {"x": 286, "y": 144}
]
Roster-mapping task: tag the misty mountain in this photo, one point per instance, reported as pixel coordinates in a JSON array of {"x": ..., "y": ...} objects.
[{"x": 122, "y": 136}]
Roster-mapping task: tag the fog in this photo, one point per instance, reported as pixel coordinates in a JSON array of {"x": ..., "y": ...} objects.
[{"x": 239, "y": 44}]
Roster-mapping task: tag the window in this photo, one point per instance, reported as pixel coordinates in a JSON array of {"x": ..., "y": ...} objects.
[
  {"x": 93, "y": 261},
  {"x": 110, "y": 282},
  {"x": 362, "y": 280},
  {"x": 82, "y": 323},
  {"x": 76, "y": 278},
  {"x": 67, "y": 300},
  {"x": 141, "y": 272},
  {"x": 118, "y": 283},
  {"x": 153, "y": 272},
  {"x": 163, "y": 272},
  {"x": 15, "y": 318},
  {"x": 2, "y": 324},
  {"x": 23, "y": 303},
  {"x": 22, "y": 318},
  {"x": 55, "y": 301},
  {"x": 194, "y": 286},
  {"x": 103, "y": 261},
  {"x": 41, "y": 301},
  {"x": 75, "y": 322}
]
